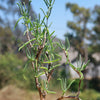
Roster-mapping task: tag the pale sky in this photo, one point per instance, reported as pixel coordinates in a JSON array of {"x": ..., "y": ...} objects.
[{"x": 60, "y": 15}]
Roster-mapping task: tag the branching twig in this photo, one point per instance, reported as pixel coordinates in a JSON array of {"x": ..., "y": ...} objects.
[{"x": 49, "y": 75}]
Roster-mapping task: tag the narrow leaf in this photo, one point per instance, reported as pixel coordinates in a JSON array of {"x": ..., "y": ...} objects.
[
  {"x": 85, "y": 65},
  {"x": 52, "y": 33},
  {"x": 44, "y": 68},
  {"x": 61, "y": 83},
  {"x": 28, "y": 53},
  {"x": 50, "y": 25},
  {"x": 43, "y": 11},
  {"x": 72, "y": 66},
  {"x": 25, "y": 32},
  {"x": 53, "y": 3},
  {"x": 24, "y": 77},
  {"x": 52, "y": 92},
  {"x": 52, "y": 61},
  {"x": 82, "y": 77},
  {"x": 70, "y": 84},
  {"x": 26, "y": 65},
  {"x": 42, "y": 20},
  {"x": 18, "y": 21},
  {"x": 54, "y": 67},
  {"x": 58, "y": 56},
  {"x": 67, "y": 44},
  {"x": 40, "y": 74},
  {"x": 26, "y": 44}
]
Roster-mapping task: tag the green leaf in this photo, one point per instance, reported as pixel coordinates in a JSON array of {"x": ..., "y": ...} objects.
[
  {"x": 78, "y": 69},
  {"x": 40, "y": 74},
  {"x": 52, "y": 33},
  {"x": 26, "y": 44},
  {"x": 28, "y": 53},
  {"x": 28, "y": 21},
  {"x": 25, "y": 32},
  {"x": 52, "y": 61},
  {"x": 20, "y": 8},
  {"x": 61, "y": 45},
  {"x": 44, "y": 68},
  {"x": 18, "y": 21},
  {"x": 52, "y": 92},
  {"x": 24, "y": 77},
  {"x": 26, "y": 65},
  {"x": 50, "y": 25},
  {"x": 42, "y": 20},
  {"x": 54, "y": 67},
  {"x": 61, "y": 83},
  {"x": 53, "y": 3},
  {"x": 29, "y": 7},
  {"x": 82, "y": 77},
  {"x": 79, "y": 63},
  {"x": 85, "y": 65},
  {"x": 72, "y": 66},
  {"x": 58, "y": 56},
  {"x": 46, "y": 2},
  {"x": 67, "y": 44},
  {"x": 70, "y": 84},
  {"x": 43, "y": 11}
]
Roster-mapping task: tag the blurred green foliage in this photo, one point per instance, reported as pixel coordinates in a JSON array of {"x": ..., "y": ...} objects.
[
  {"x": 75, "y": 85},
  {"x": 6, "y": 40},
  {"x": 94, "y": 84},
  {"x": 9, "y": 65},
  {"x": 90, "y": 95},
  {"x": 11, "y": 72}
]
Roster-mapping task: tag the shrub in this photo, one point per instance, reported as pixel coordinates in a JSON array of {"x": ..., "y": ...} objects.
[{"x": 40, "y": 51}]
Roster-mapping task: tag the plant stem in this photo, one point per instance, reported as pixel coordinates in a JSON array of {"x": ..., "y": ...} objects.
[
  {"x": 70, "y": 97},
  {"x": 28, "y": 38},
  {"x": 42, "y": 96}
]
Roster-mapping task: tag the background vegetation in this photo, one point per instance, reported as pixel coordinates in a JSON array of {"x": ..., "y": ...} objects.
[{"x": 12, "y": 62}]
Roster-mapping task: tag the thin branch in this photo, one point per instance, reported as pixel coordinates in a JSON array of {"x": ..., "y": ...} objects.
[
  {"x": 49, "y": 75},
  {"x": 70, "y": 97},
  {"x": 42, "y": 95},
  {"x": 28, "y": 38},
  {"x": 49, "y": 66},
  {"x": 40, "y": 48},
  {"x": 39, "y": 88},
  {"x": 79, "y": 88}
]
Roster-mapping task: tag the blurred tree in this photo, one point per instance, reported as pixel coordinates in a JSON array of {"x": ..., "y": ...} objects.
[
  {"x": 79, "y": 30},
  {"x": 94, "y": 45},
  {"x": 6, "y": 40},
  {"x": 9, "y": 13},
  {"x": 95, "y": 37},
  {"x": 84, "y": 33}
]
